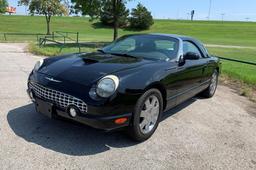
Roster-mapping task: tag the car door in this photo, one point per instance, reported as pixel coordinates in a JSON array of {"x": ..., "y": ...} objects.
[
  {"x": 210, "y": 65},
  {"x": 190, "y": 73}
]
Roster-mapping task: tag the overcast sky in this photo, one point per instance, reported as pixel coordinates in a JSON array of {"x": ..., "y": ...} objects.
[{"x": 179, "y": 9}]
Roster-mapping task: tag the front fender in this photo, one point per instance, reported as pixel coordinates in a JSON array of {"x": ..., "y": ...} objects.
[{"x": 138, "y": 80}]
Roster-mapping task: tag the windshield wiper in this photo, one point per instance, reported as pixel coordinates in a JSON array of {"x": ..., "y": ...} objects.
[{"x": 124, "y": 55}]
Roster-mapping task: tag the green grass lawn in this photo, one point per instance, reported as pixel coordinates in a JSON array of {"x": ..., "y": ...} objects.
[
  {"x": 227, "y": 33},
  {"x": 53, "y": 50},
  {"x": 221, "y": 33},
  {"x": 244, "y": 72}
]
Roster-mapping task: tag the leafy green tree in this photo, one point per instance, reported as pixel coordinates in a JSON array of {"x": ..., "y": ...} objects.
[
  {"x": 48, "y": 8},
  {"x": 87, "y": 7},
  {"x": 107, "y": 17},
  {"x": 94, "y": 9},
  {"x": 141, "y": 18},
  {"x": 3, "y": 5}
]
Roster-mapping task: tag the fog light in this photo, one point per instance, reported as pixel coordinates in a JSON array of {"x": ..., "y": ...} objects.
[
  {"x": 121, "y": 120},
  {"x": 72, "y": 112}
]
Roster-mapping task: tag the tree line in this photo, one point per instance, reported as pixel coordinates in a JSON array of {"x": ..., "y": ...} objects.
[{"x": 112, "y": 13}]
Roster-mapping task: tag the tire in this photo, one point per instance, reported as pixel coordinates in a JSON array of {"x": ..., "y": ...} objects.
[
  {"x": 141, "y": 127},
  {"x": 211, "y": 89}
]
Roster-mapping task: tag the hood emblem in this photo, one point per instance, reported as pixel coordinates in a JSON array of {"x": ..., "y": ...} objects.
[{"x": 53, "y": 80}]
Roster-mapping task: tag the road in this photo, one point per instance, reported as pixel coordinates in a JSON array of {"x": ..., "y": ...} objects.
[{"x": 216, "y": 133}]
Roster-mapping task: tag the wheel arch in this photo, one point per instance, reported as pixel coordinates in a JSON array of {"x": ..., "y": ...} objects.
[{"x": 159, "y": 86}]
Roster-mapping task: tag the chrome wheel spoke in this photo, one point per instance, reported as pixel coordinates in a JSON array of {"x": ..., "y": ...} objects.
[
  {"x": 213, "y": 84},
  {"x": 154, "y": 101},
  {"x": 143, "y": 123},
  {"x": 154, "y": 119},
  {"x": 147, "y": 104},
  {"x": 147, "y": 127},
  {"x": 144, "y": 113},
  {"x": 155, "y": 111}
]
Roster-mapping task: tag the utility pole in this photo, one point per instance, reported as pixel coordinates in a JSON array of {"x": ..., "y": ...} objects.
[
  {"x": 222, "y": 17},
  {"x": 210, "y": 8},
  {"x": 192, "y": 15}
]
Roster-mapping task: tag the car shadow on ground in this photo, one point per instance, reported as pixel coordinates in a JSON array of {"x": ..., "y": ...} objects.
[
  {"x": 178, "y": 108},
  {"x": 68, "y": 137}
]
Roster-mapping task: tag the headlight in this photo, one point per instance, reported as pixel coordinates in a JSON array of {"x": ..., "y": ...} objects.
[
  {"x": 107, "y": 86},
  {"x": 38, "y": 64}
]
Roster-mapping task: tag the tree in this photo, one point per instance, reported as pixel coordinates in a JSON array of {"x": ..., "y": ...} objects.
[
  {"x": 141, "y": 18},
  {"x": 93, "y": 8},
  {"x": 87, "y": 7},
  {"x": 3, "y": 6},
  {"x": 107, "y": 17},
  {"x": 48, "y": 8}
]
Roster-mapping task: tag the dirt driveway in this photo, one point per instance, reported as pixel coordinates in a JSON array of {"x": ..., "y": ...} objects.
[{"x": 217, "y": 133}]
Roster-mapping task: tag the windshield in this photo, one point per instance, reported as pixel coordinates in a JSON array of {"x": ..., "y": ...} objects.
[{"x": 156, "y": 47}]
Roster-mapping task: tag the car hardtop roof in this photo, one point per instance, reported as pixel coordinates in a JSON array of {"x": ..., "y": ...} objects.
[{"x": 182, "y": 37}]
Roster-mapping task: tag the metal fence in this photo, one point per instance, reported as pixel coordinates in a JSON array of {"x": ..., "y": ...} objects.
[
  {"x": 60, "y": 38},
  {"x": 6, "y": 35},
  {"x": 68, "y": 35},
  {"x": 238, "y": 61}
]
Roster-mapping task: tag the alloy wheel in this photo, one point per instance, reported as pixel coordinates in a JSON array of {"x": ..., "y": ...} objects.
[{"x": 149, "y": 114}]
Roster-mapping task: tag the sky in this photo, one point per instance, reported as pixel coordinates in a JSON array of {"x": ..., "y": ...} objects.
[{"x": 230, "y": 10}]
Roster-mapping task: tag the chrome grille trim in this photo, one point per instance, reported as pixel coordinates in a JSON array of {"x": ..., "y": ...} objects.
[{"x": 59, "y": 98}]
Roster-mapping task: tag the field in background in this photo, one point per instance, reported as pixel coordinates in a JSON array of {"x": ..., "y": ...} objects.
[
  {"x": 220, "y": 33},
  {"x": 227, "y": 33},
  {"x": 244, "y": 72}
]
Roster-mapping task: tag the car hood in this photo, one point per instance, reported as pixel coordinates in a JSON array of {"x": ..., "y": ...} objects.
[{"x": 88, "y": 68}]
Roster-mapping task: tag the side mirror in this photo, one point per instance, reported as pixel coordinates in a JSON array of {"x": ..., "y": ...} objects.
[{"x": 191, "y": 56}]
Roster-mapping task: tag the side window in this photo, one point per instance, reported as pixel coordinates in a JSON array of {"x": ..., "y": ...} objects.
[{"x": 190, "y": 47}]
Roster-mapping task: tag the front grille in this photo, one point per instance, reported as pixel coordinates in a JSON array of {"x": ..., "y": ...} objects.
[{"x": 56, "y": 97}]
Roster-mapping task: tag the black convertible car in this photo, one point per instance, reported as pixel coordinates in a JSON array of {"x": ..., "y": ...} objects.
[{"x": 128, "y": 83}]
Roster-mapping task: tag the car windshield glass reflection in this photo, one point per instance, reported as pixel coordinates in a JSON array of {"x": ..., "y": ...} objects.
[{"x": 154, "y": 47}]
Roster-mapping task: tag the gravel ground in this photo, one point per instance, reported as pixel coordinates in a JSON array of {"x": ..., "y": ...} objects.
[{"x": 216, "y": 133}]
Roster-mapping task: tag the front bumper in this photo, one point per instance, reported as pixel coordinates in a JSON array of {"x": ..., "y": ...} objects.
[
  {"x": 98, "y": 122},
  {"x": 104, "y": 122}
]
